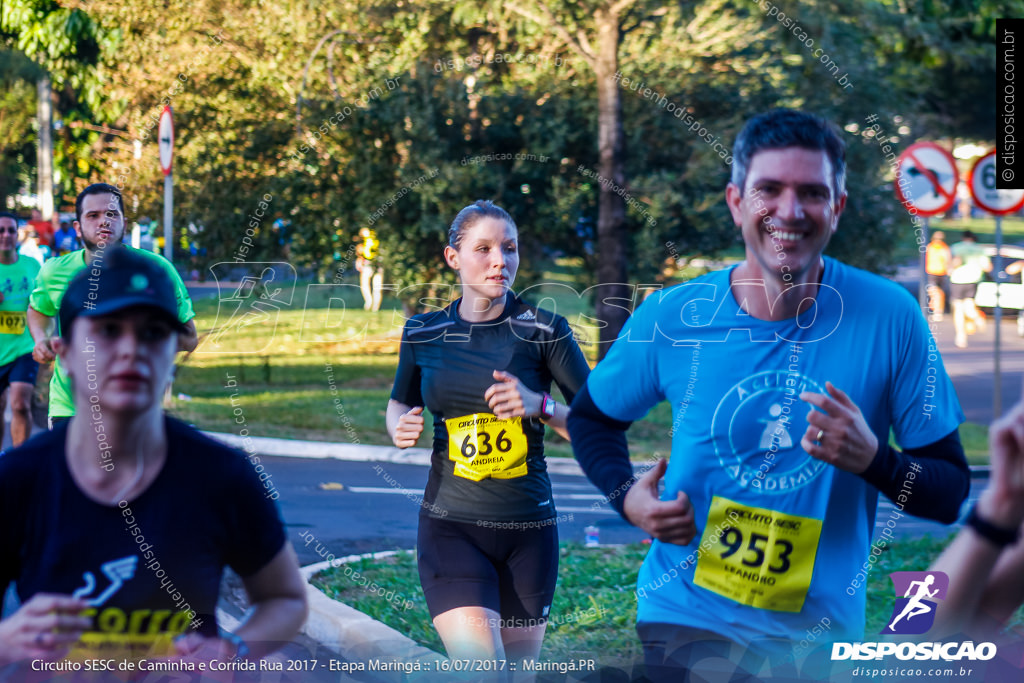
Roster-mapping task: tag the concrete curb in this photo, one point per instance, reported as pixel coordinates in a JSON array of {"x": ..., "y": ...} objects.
[
  {"x": 356, "y": 636},
  {"x": 292, "y": 448}
]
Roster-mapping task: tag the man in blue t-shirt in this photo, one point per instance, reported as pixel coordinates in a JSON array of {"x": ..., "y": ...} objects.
[{"x": 786, "y": 374}]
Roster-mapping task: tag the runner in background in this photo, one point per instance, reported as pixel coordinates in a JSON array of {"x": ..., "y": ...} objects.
[
  {"x": 483, "y": 366},
  {"x": 371, "y": 271},
  {"x": 29, "y": 245},
  {"x": 969, "y": 265},
  {"x": 43, "y": 229},
  {"x": 937, "y": 260},
  {"x": 17, "y": 368},
  {"x": 100, "y": 225},
  {"x": 120, "y": 522},
  {"x": 64, "y": 240}
]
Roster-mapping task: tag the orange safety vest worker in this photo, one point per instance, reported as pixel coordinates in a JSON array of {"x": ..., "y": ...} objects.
[{"x": 937, "y": 258}]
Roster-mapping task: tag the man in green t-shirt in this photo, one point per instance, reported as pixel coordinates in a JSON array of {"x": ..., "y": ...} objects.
[
  {"x": 100, "y": 225},
  {"x": 17, "y": 368}
]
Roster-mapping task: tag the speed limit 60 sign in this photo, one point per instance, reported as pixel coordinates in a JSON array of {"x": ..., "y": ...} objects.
[{"x": 983, "y": 188}]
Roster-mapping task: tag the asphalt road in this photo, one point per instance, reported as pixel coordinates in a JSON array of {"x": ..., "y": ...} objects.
[
  {"x": 346, "y": 508},
  {"x": 358, "y": 507},
  {"x": 973, "y": 369}
]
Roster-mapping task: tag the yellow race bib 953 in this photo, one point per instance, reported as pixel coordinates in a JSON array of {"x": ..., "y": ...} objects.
[
  {"x": 758, "y": 557},
  {"x": 482, "y": 445},
  {"x": 12, "y": 322}
]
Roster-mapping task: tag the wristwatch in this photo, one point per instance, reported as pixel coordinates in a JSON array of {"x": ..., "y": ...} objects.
[
  {"x": 547, "y": 407},
  {"x": 1000, "y": 536}
]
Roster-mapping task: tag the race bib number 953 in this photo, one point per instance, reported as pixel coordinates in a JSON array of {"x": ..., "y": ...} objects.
[
  {"x": 758, "y": 557},
  {"x": 482, "y": 446}
]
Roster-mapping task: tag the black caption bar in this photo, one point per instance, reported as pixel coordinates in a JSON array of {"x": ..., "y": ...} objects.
[{"x": 1009, "y": 150}]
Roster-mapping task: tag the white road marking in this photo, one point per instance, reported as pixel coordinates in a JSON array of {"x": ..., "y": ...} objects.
[{"x": 602, "y": 510}]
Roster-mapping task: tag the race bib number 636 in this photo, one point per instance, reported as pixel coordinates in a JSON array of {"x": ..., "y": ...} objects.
[
  {"x": 761, "y": 557},
  {"x": 482, "y": 446}
]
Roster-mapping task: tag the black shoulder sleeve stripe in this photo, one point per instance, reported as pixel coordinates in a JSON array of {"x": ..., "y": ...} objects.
[
  {"x": 599, "y": 444},
  {"x": 931, "y": 481}
]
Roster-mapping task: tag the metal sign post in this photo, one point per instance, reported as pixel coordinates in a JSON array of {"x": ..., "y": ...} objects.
[
  {"x": 926, "y": 179},
  {"x": 166, "y": 142},
  {"x": 982, "y": 182}
]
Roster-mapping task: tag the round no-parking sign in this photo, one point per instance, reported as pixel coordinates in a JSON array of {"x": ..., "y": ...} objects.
[
  {"x": 165, "y": 140},
  {"x": 926, "y": 178}
]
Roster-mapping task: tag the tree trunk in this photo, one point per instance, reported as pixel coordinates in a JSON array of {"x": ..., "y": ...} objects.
[
  {"x": 44, "y": 153},
  {"x": 613, "y": 298}
]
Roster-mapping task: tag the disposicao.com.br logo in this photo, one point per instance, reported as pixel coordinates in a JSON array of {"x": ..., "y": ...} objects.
[{"x": 917, "y": 594}]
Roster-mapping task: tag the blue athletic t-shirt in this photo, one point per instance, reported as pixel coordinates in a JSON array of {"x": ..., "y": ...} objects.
[{"x": 780, "y": 534}]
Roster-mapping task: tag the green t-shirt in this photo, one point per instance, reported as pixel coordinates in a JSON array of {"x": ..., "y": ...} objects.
[
  {"x": 16, "y": 283},
  {"x": 974, "y": 263},
  {"x": 51, "y": 284}
]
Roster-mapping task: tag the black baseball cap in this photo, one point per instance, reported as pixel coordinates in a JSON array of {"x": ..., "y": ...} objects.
[{"x": 119, "y": 278}]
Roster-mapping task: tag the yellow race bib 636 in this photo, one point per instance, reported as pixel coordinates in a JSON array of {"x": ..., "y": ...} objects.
[
  {"x": 482, "y": 446},
  {"x": 758, "y": 557}
]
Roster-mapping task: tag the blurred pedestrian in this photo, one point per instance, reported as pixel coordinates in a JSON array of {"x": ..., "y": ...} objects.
[
  {"x": 371, "y": 271},
  {"x": 64, "y": 240},
  {"x": 969, "y": 265},
  {"x": 937, "y": 259}
]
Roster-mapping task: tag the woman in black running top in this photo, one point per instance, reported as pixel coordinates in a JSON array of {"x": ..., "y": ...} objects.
[{"x": 483, "y": 366}]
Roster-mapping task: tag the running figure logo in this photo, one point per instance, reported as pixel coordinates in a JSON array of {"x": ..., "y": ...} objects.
[
  {"x": 118, "y": 572},
  {"x": 914, "y": 613}
]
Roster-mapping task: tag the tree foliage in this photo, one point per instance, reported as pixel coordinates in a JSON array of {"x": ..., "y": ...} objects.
[{"x": 394, "y": 115}]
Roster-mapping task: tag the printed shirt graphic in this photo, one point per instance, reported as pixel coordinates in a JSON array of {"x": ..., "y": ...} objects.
[
  {"x": 17, "y": 281},
  {"x": 143, "y": 567},
  {"x": 783, "y": 534},
  {"x": 51, "y": 284}
]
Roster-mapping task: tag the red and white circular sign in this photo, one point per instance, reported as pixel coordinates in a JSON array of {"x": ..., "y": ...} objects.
[
  {"x": 165, "y": 140},
  {"x": 926, "y": 178},
  {"x": 982, "y": 182}
]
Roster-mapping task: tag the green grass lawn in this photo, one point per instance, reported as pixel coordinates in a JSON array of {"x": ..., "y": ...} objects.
[
  {"x": 985, "y": 229},
  {"x": 595, "y": 604},
  {"x": 594, "y": 609}
]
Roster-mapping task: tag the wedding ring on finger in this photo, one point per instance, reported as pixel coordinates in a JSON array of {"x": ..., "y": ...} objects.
[{"x": 820, "y": 436}]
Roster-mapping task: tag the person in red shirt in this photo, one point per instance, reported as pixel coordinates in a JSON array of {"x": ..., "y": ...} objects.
[{"x": 44, "y": 229}]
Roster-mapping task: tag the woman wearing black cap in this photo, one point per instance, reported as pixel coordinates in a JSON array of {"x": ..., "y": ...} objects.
[{"x": 130, "y": 516}]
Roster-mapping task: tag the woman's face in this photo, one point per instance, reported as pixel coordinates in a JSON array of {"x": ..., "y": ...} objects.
[
  {"x": 487, "y": 258},
  {"x": 120, "y": 362}
]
